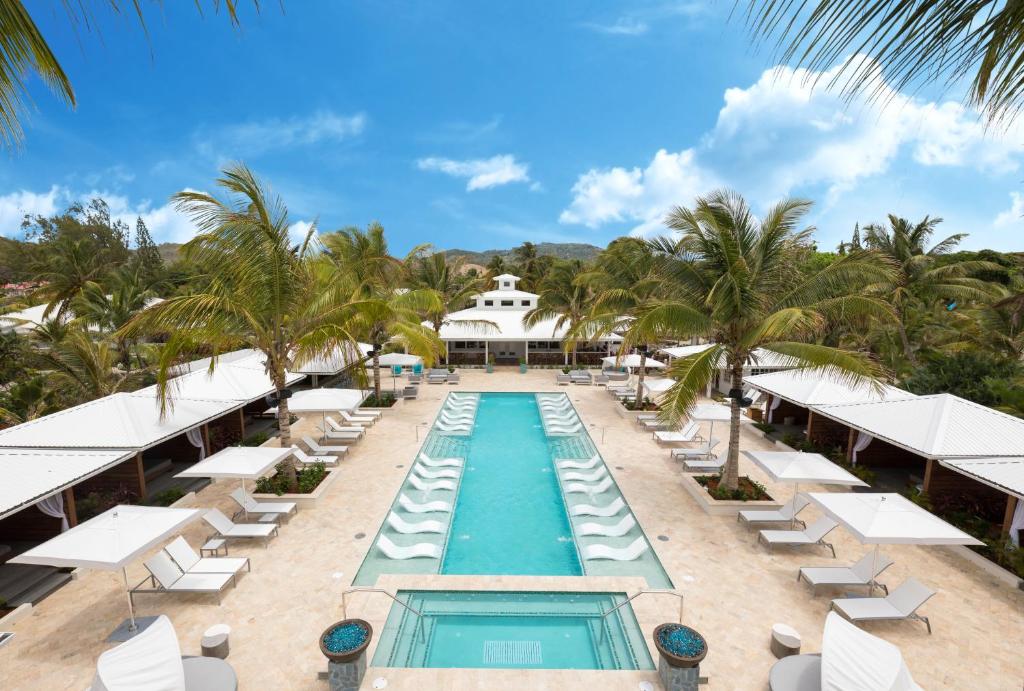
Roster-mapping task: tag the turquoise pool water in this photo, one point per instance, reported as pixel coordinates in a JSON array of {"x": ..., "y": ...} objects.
[
  {"x": 510, "y": 517},
  {"x": 517, "y": 630}
]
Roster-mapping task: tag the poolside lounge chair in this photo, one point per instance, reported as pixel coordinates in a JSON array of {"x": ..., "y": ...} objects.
[
  {"x": 317, "y": 449},
  {"x": 580, "y": 488},
  {"x": 415, "y": 378},
  {"x": 601, "y": 379},
  {"x": 901, "y": 604},
  {"x": 843, "y": 576},
  {"x": 231, "y": 531},
  {"x": 586, "y": 477},
  {"x": 814, "y": 534},
  {"x": 364, "y": 420},
  {"x": 334, "y": 426},
  {"x": 428, "y": 474},
  {"x": 453, "y": 377},
  {"x": 619, "y": 529},
  {"x": 628, "y": 553},
  {"x": 654, "y": 425},
  {"x": 393, "y": 551},
  {"x": 167, "y": 577},
  {"x": 563, "y": 379},
  {"x": 188, "y": 561},
  {"x": 305, "y": 459},
  {"x": 607, "y": 511},
  {"x": 437, "y": 376},
  {"x": 461, "y": 419},
  {"x": 430, "y": 486},
  {"x": 280, "y": 508},
  {"x": 786, "y": 513},
  {"x": 706, "y": 466},
  {"x": 151, "y": 659},
  {"x": 694, "y": 452},
  {"x": 566, "y": 463},
  {"x": 407, "y": 528},
  {"x": 461, "y": 406},
  {"x": 439, "y": 462},
  {"x": 459, "y": 429},
  {"x": 616, "y": 376},
  {"x": 423, "y": 507},
  {"x": 689, "y": 432},
  {"x": 410, "y": 392}
]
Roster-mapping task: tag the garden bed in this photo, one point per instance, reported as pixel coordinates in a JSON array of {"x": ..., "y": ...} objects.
[
  {"x": 305, "y": 499},
  {"x": 724, "y": 507},
  {"x": 388, "y": 399}
]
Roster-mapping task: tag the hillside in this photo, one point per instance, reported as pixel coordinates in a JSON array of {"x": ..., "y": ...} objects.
[{"x": 561, "y": 250}]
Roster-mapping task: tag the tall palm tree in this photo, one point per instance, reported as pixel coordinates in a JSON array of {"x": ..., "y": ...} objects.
[
  {"x": 68, "y": 265},
  {"x": 436, "y": 271},
  {"x": 563, "y": 298},
  {"x": 27, "y": 400},
  {"x": 86, "y": 369},
  {"x": 908, "y": 42},
  {"x": 111, "y": 308},
  {"x": 262, "y": 292},
  {"x": 736, "y": 280},
  {"x": 921, "y": 280}
]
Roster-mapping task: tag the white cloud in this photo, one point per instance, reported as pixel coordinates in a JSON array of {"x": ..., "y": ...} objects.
[
  {"x": 623, "y": 26},
  {"x": 297, "y": 231},
  {"x": 1014, "y": 216},
  {"x": 482, "y": 173},
  {"x": 258, "y": 136},
  {"x": 14, "y": 206}
]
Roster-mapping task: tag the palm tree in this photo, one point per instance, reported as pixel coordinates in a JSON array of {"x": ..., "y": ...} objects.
[
  {"x": 736, "y": 280},
  {"x": 907, "y": 42},
  {"x": 86, "y": 369},
  {"x": 27, "y": 400},
  {"x": 262, "y": 292},
  {"x": 110, "y": 311},
  {"x": 68, "y": 265},
  {"x": 444, "y": 276},
  {"x": 921, "y": 280},
  {"x": 563, "y": 298}
]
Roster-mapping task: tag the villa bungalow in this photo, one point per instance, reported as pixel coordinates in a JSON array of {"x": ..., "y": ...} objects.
[
  {"x": 761, "y": 362},
  {"x": 494, "y": 329}
]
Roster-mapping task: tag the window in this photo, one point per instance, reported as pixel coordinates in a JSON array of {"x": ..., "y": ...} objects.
[
  {"x": 460, "y": 345},
  {"x": 488, "y": 303},
  {"x": 506, "y": 284},
  {"x": 526, "y": 303},
  {"x": 508, "y": 303}
]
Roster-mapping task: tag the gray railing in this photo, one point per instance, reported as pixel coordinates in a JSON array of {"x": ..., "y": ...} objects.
[{"x": 365, "y": 589}]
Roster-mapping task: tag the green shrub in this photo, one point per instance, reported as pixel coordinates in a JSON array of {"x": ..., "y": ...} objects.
[
  {"x": 386, "y": 400},
  {"x": 765, "y": 427},
  {"x": 257, "y": 439},
  {"x": 167, "y": 497}
]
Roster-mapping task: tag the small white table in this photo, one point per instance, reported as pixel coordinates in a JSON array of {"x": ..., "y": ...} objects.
[
  {"x": 215, "y": 641},
  {"x": 785, "y": 640},
  {"x": 213, "y": 546}
]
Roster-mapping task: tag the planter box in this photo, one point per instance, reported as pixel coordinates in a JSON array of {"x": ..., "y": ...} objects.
[
  {"x": 714, "y": 507},
  {"x": 398, "y": 402},
  {"x": 304, "y": 501},
  {"x": 629, "y": 414}
]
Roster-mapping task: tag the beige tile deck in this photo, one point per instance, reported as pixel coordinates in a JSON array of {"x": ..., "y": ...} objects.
[{"x": 734, "y": 590}]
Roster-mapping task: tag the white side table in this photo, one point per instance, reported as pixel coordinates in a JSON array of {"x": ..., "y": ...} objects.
[
  {"x": 785, "y": 640},
  {"x": 215, "y": 641},
  {"x": 213, "y": 546}
]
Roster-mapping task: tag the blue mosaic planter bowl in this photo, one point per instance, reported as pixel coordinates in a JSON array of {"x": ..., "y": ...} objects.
[
  {"x": 344, "y": 641},
  {"x": 679, "y": 645}
]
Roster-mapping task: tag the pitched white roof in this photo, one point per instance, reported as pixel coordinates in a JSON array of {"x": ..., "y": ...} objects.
[
  {"x": 1006, "y": 474},
  {"x": 510, "y": 327},
  {"x": 810, "y": 387},
  {"x": 34, "y": 474},
  {"x": 335, "y": 362},
  {"x": 937, "y": 426},
  {"x": 229, "y": 382},
  {"x": 761, "y": 358}
]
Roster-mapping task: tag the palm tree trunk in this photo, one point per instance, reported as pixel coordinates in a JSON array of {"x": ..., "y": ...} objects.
[
  {"x": 731, "y": 473},
  {"x": 908, "y": 351},
  {"x": 376, "y": 375},
  {"x": 640, "y": 380},
  {"x": 284, "y": 425},
  {"x": 573, "y": 355}
]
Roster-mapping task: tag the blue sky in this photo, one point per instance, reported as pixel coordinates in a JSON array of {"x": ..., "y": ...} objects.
[{"x": 480, "y": 125}]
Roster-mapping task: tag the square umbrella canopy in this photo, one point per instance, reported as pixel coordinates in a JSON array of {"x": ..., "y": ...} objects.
[
  {"x": 243, "y": 462},
  {"x": 400, "y": 359},
  {"x": 631, "y": 361},
  {"x": 111, "y": 541},
  {"x": 796, "y": 467},
  {"x": 325, "y": 400},
  {"x": 712, "y": 412}
]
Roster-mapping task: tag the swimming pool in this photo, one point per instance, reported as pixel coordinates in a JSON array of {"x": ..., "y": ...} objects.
[{"x": 512, "y": 630}]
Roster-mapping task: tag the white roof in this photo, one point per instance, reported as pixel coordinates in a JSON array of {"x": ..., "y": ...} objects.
[
  {"x": 111, "y": 540},
  {"x": 936, "y": 426},
  {"x": 510, "y": 327},
  {"x": 34, "y": 474},
  {"x": 854, "y": 660},
  {"x": 24, "y": 320},
  {"x": 632, "y": 360},
  {"x": 657, "y": 386},
  {"x": 249, "y": 462},
  {"x": 506, "y": 277},
  {"x": 885, "y": 518},
  {"x": 795, "y": 466},
  {"x": 765, "y": 359},
  {"x": 335, "y": 362},
  {"x": 1006, "y": 474},
  {"x": 229, "y": 382},
  {"x": 813, "y": 387},
  {"x": 506, "y": 294},
  {"x": 325, "y": 400},
  {"x": 402, "y": 359}
]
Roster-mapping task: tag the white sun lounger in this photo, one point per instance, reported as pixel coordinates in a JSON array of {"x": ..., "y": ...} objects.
[
  {"x": 844, "y": 576},
  {"x": 319, "y": 450},
  {"x": 281, "y": 508},
  {"x": 363, "y": 412},
  {"x": 786, "y": 513},
  {"x": 628, "y": 553},
  {"x": 393, "y": 551},
  {"x": 428, "y": 474},
  {"x": 440, "y": 462},
  {"x": 430, "y": 486},
  {"x": 566, "y": 463},
  {"x": 619, "y": 529},
  {"x": 699, "y": 466},
  {"x": 606, "y": 511},
  {"x": 702, "y": 451},
  {"x": 580, "y": 488},
  {"x": 423, "y": 507},
  {"x": 901, "y": 604},
  {"x": 555, "y": 430},
  {"x": 230, "y": 531},
  {"x": 166, "y": 577},
  {"x": 188, "y": 561},
  {"x": 691, "y": 432},
  {"x": 364, "y": 420},
  {"x": 453, "y": 429},
  {"x": 814, "y": 534},
  {"x": 403, "y": 526},
  {"x": 335, "y": 426},
  {"x": 586, "y": 477},
  {"x": 305, "y": 459}
]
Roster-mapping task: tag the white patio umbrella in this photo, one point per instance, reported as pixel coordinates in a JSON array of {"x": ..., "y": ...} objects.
[
  {"x": 324, "y": 401},
  {"x": 657, "y": 386},
  {"x": 884, "y": 518},
  {"x": 712, "y": 412},
  {"x": 854, "y": 660},
  {"x": 796, "y": 467},
  {"x": 242, "y": 462},
  {"x": 400, "y": 359},
  {"x": 631, "y": 361},
  {"x": 110, "y": 542}
]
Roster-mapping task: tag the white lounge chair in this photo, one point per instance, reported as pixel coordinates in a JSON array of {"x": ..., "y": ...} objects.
[
  {"x": 363, "y": 412},
  {"x": 690, "y": 432},
  {"x": 423, "y": 507},
  {"x": 461, "y": 429},
  {"x": 305, "y": 459},
  {"x": 393, "y": 551},
  {"x": 619, "y": 529},
  {"x": 696, "y": 452},
  {"x": 430, "y": 486},
  {"x": 844, "y": 576},
  {"x": 645, "y": 417},
  {"x": 586, "y": 477},
  {"x": 428, "y": 474},
  {"x": 554, "y": 430},
  {"x": 250, "y": 505},
  {"x": 403, "y": 526},
  {"x": 317, "y": 449},
  {"x": 230, "y": 531},
  {"x": 580, "y": 488},
  {"x": 364, "y": 420},
  {"x": 786, "y": 513},
  {"x": 335, "y": 426},
  {"x": 166, "y": 577},
  {"x": 628, "y": 553},
  {"x": 713, "y": 465},
  {"x": 440, "y": 462},
  {"x": 188, "y": 561},
  {"x": 901, "y": 604},
  {"x": 654, "y": 425},
  {"x": 457, "y": 419},
  {"x": 567, "y": 463},
  {"x": 814, "y": 534},
  {"x": 607, "y": 511}
]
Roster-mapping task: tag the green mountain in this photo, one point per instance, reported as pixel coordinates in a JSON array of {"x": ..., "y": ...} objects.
[{"x": 561, "y": 250}]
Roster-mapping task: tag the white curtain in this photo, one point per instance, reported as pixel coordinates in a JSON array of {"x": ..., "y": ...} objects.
[
  {"x": 195, "y": 437},
  {"x": 776, "y": 402},
  {"x": 53, "y": 505},
  {"x": 863, "y": 439},
  {"x": 1017, "y": 523}
]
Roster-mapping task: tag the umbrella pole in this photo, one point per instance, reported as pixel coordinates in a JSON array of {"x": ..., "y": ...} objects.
[
  {"x": 245, "y": 500},
  {"x": 874, "y": 565},
  {"x": 796, "y": 498},
  {"x": 132, "y": 628}
]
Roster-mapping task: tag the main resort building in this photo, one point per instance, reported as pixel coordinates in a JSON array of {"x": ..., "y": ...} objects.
[{"x": 494, "y": 330}]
